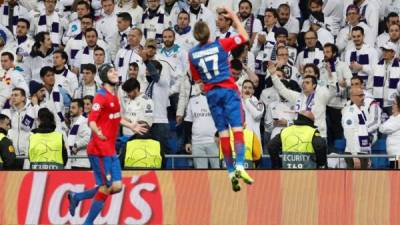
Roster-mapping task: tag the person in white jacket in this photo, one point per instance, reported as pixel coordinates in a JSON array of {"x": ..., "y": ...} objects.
[
  {"x": 354, "y": 122},
  {"x": 78, "y": 136},
  {"x": 391, "y": 128},
  {"x": 22, "y": 116},
  {"x": 253, "y": 109}
]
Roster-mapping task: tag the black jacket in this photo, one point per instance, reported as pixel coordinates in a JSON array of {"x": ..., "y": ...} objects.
[
  {"x": 42, "y": 130},
  {"x": 7, "y": 152},
  {"x": 274, "y": 147}
]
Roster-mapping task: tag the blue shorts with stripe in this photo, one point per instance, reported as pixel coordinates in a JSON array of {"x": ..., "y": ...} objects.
[
  {"x": 226, "y": 107},
  {"x": 106, "y": 169}
]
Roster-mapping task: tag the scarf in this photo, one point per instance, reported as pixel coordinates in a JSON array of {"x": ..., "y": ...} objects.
[
  {"x": 5, "y": 17},
  {"x": 182, "y": 31},
  {"x": 153, "y": 29},
  {"x": 318, "y": 55},
  {"x": 391, "y": 76},
  {"x": 249, "y": 24},
  {"x": 363, "y": 139},
  {"x": 55, "y": 27},
  {"x": 362, "y": 58},
  {"x": 168, "y": 52}
]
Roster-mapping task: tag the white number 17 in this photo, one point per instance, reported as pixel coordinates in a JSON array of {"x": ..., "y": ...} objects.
[{"x": 214, "y": 60}]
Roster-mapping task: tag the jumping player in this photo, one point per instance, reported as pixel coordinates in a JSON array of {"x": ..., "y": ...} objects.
[
  {"x": 104, "y": 120},
  {"x": 209, "y": 65}
]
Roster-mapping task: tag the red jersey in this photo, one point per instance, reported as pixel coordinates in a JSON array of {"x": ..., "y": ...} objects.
[{"x": 106, "y": 113}]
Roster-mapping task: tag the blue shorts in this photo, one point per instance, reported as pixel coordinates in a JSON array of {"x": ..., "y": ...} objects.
[
  {"x": 226, "y": 108},
  {"x": 107, "y": 169}
]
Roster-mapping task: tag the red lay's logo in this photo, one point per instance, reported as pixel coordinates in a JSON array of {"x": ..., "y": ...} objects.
[{"x": 42, "y": 199}]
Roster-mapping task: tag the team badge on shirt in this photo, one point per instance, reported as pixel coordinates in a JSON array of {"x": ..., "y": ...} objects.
[
  {"x": 238, "y": 40},
  {"x": 96, "y": 107}
]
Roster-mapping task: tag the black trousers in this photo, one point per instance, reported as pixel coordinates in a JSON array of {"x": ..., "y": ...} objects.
[{"x": 334, "y": 123}]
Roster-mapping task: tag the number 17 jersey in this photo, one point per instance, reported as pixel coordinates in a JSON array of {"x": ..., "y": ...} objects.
[{"x": 210, "y": 62}]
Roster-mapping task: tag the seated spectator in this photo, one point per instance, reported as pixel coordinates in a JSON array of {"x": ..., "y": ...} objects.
[
  {"x": 46, "y": 146},
  {"x": 391, "y": 128},
  {"x": 7, "y": 152},
  {"x": 142, "y": 151}
]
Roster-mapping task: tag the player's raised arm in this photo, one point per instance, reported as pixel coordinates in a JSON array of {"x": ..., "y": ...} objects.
[{"x": 228, "y": 13}]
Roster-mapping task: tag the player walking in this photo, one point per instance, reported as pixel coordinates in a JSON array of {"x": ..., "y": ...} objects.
[
  {"x": 209, "y": 65},
  {"x": 104, "y": 120}
]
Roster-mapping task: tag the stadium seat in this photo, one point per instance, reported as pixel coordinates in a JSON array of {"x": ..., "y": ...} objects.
[
  {"x": 379, "y": 148},
  {"x": 340, "y": 145}
]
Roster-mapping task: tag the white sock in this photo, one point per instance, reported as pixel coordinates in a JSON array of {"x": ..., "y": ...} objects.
[{"x": 231, "y": 175}]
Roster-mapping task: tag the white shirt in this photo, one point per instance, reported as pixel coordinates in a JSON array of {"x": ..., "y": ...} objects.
[
  {"x": 136, "y": 13},
  {"x": 67, "y": 80},
  {"x": 334, "y": 10},
  {"x": 391, "y": 128},
  {"x": 371, "y": 14},
  {"x": 253, "y": 113},
  {"x": 292, "y": 26},
  {"x": 343, "y": 43},
  {"x": 352, "y": 128},
  {"x": 78, "y": 136},
  {"x": 293, "y": 4},
  {"x": 161, "y": 92},
  {"x": 137, "y": 109},
  {"x": 206, "y": 16},
  {"x": 123, "y": 58},
  {"x": 278, "y": 110},
  {"x": 203, "y": 128},
  {"x": 107, "y": 26},
  {"x": 324, "y": 36}
]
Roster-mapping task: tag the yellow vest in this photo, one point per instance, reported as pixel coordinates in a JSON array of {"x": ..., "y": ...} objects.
[
  {"x": 46, "y": 149},
  {"x": 298, "y": 151},
  {"x": 143, "y": 153},
  {"x": 1, "y": 138},
  {"x": 248, "y": 137}
]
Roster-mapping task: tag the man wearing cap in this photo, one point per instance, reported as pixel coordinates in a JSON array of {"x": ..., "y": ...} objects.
[
  {"x": 104, "y": 121},
  {"x": 317, "y": 24},
  {"x": 386, "y": 77},
  {"x": 300, "y": 144},
  {"x": 353, "y": 18}
]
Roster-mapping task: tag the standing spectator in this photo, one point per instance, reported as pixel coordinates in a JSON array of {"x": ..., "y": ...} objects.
[
  {"x": 107, "y": 26},
  {"x": 78, "y": 135},
  {"x": 199, "y": 133},
  {"x": 130, "y": 54},
  {"x": 253, "y": 108},
  {"x": 249, "y": 20},
  {"x": 74, "y": 27},
  {"x": 88, "y": 85},
  {"x": 171, "y": 9},
  {"x": 353, "y": 18},
  {"x": 135, "y": 105},
  {"x": 317, "y": 24},
  {"x": 53, "y": 99},
  {"x": 274, "y": 4},
  {"x": 354, "y": 122},
  {"x": 65, "y": 79},
  {"x": 369, "y": 13},
  {"x": 46, "y": 146},
  {"x": 11, "y": 12},
  {"x": 224, "y": 27},
  {"x": 12, "y": 74},
  {"x": 133, "y": 8},
  {"x": 334, "y": 9},
  {"x": 24, "y": 42},
  {"x": 119, "y": 39},
  {"x": 88, "y": 103},
  {"x": 391, "y": 128},
  {"x": 394, "y": 37},
  {"x": 86, "y": 54},
  {"x": 7, "y": 152},
  {"x": 50, "y": 21},
  {"x": 332, "y": 66},
  {"x": 315, "y": 6},
  {"x": 154, "y": 21},
  {"x": 386, "y": 75},
  {"x": 361, "y": 58},
  {"x": 183, "y": 31},
  {"x": 288, "y": 21},
  {"x": 391, "y": 18},
  {"x": 311, "y": 54},
  {"x": 22, "y": 118},
  {"x": 77, "y": 43},
  {"x": 40, "y": 56},
  {"x": 199, "y": 12}
]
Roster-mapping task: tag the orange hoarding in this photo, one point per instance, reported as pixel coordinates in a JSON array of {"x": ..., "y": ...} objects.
[{"x": 205, "y": 197}]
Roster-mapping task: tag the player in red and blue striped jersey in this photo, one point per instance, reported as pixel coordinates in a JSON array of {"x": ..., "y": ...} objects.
[{"x": 209, "y": 66}]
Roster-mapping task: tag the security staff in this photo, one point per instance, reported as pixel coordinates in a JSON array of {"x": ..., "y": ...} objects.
[
  {"x": 7, "y": 152},
  {"x": 252, "y": 152},
  {"x": 301, "y": 145},
  {"x": 46, "y": 146},
  {"x": 142, "y": 151}
]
